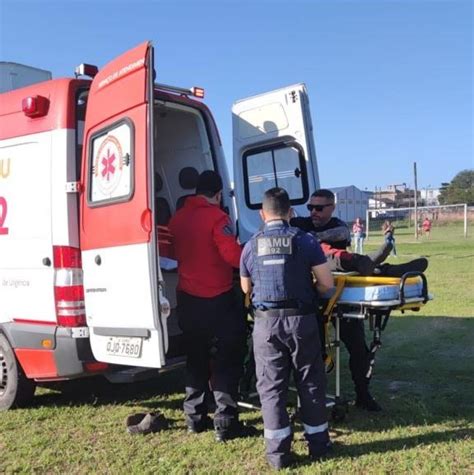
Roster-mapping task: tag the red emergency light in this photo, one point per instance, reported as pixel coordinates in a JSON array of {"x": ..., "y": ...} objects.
[{"x": 35, "y": 106}]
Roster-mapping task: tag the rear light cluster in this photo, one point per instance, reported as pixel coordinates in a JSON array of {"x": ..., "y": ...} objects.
[{"x": 68, "y": 288}]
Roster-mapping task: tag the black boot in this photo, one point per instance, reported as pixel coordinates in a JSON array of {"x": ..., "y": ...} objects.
[
  {"x": 364, "y": 399},
  {"x": 234, "y": 431},
  {"x": 382, "y": 253},
  {"x": 397, "y": 270},
  {"x": 368, "y": 403}
]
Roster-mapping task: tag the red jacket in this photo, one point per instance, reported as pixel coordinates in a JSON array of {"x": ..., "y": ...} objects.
[{"x": 205, "y": 248}]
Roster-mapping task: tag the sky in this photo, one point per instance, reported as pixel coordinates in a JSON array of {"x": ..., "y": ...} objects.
[{"x": 389, "y": 81}]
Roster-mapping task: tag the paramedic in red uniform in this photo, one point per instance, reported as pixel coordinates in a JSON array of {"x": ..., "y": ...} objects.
[{"x": 208, "y": 313}]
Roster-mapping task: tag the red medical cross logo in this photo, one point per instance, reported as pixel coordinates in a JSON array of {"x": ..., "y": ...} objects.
[{"x": 107, "y": 162}]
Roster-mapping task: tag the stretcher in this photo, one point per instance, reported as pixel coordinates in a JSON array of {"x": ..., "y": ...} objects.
[
  {"x": 356, "y": 297},
  {"x": 370, "y": 298}
]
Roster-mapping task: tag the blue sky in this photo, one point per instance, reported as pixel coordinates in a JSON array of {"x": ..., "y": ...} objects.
[{"x": 390, "y": 82}]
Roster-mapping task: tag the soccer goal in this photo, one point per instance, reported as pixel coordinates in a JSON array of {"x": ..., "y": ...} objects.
[{"x": 424, "y": 221}]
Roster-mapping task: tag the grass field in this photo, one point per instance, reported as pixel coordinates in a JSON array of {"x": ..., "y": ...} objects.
[{"x": 424, "y": 378}]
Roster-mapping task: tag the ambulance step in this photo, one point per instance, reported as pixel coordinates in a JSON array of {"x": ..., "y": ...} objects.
[
  {"x": 131, "y": 375},
  {"x": 135, "y": 374}
]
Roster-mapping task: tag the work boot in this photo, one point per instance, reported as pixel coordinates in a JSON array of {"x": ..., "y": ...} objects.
[
  {"x": 320, "y": 451},
  {"x": 381, "y": 253},
  {"x": 235, "y": 431},
  {"x": 397, "y": 270},
  {"x": 368, "y": 403},
  {"x": 358, "y": 263},
  {"x": 142, "y": 423},
  {"x": 281, "y": 462},
  {"x": 199, "y": 426}
]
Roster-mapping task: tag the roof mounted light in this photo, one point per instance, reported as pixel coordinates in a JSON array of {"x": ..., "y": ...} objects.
[
  {"x": 193, "y": 91},
  {"x": 86, "y": 70},
  {"x": 198, "y": 92},
  {"x": 35, "y": 106}
]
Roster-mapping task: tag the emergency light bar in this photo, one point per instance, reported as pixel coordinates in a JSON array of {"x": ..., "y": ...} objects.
[
  {"x": 193, "y": 91},
  {"x": 86, "y": 70}
]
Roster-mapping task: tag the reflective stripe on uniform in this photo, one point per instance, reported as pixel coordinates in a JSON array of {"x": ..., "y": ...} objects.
[
  {"x": 315, "y": 429},
  {"x": 273, "y": 262},
  {"x": 277, "y": 433}
]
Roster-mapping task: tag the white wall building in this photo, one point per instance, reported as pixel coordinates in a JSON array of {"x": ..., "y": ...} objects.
[
  {"x": 430, "y": 196},
  {"x": 351, "y": 203}
]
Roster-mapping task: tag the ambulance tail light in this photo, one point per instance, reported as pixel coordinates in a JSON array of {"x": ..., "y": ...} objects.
[
  {"x": 68, "y": 287},
  {"x": 35, "y": 106}
]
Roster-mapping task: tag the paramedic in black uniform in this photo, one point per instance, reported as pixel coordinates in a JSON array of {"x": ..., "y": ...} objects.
[
  {"x": 276, "y": 267},
  {"x": 335, "y": 233},
  {"x": 334, "y": 237}
]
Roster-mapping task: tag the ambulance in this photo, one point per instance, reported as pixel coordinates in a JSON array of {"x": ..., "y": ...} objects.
[{"x": 91, "y": 170}]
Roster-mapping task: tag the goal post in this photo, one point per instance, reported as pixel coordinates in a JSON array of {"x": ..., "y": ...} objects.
[{"x": 412, "y": 218}]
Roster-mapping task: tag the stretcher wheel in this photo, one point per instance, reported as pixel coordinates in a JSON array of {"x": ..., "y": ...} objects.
[{"x": 339, "y": 412}]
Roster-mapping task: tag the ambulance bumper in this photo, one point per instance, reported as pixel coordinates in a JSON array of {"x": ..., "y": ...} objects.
[{"x": 50, "y": 353}]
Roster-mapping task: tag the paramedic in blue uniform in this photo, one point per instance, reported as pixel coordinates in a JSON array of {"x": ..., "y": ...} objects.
[
  {"x": 277, "y": 267},
  {"x": 208, "y": 314}
]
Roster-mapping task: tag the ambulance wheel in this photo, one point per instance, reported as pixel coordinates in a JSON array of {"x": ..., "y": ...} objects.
[
  {"x": 16, "y": 389},
  {"x": 339, "y": 412}
]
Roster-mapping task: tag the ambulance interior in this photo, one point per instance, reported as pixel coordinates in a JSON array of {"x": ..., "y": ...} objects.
[{"x": 182, "y": 151}]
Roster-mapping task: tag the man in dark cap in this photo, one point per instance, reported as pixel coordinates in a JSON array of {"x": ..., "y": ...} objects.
[{"x": 208, "y": 313}]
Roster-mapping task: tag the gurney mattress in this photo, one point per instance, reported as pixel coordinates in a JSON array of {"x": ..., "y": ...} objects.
[{"x": 379, "y": 293}]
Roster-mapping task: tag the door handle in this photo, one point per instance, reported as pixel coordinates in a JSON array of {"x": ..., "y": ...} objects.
[{"x": 98, "y": 260}]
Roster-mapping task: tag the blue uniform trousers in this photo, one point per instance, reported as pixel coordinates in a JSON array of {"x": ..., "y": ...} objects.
[{"x": 283, "y": 344}]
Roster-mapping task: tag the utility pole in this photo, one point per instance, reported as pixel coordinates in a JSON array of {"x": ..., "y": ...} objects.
[{"x": 416, "y": 201}]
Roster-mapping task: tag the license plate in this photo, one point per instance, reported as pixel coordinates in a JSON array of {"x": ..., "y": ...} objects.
[{"x": 130, "y": 347}]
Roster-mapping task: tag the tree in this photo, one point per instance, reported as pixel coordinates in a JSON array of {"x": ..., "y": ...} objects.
[{"x": 459, "y": 190}]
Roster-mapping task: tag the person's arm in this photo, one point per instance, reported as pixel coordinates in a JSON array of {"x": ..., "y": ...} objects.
[
  {"x": 319, "y": 266},
  {"x": 324, "y": 279},
  {"x": 227, "y": 245},
  {"x": 246, "y": 284},
  {"x": 338, "y": 233},
  {"x": 245, "y": 281}
]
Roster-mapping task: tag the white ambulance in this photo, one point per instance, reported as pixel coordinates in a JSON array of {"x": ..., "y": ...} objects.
[{"x": 91, "y": 170}]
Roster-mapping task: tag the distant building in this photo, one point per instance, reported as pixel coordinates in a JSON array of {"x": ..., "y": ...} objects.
[
  {"x": 351, "y": 203},
  {"x": 430, "y": 196},
  {"x": 396, "y": 196}
]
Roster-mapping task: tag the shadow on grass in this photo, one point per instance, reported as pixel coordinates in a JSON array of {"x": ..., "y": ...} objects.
[
  {"x": 391, "y": 445},
  {"x": 419, "y": 379},
  {"x": 98, "y": 391}
]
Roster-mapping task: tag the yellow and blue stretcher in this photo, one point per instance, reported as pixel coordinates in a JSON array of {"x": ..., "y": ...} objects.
[
  {"x": 359, "y": 297},
  {"x": 372, "y": 298}
]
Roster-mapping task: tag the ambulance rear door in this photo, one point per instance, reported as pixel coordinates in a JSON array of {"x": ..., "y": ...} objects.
[
  {"x": 118, "y": 246},
  {"x": 273, "y": 146}
]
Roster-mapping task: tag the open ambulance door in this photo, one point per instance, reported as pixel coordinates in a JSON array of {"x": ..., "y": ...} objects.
[
  {"x": 273, "y": 146},
  {"x": 118, "y": 246}
]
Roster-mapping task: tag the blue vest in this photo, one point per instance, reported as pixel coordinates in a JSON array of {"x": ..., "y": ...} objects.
[{"x": 281, "y": 274}]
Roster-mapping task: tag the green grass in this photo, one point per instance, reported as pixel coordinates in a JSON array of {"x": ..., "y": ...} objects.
[{"x": 424, "y": 378}]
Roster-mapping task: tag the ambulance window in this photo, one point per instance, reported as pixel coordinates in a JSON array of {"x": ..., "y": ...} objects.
[
  {"x": 111, "y": 164},
  {"x": 81, "y": 104},
  {"x": 278, "y": 165}
]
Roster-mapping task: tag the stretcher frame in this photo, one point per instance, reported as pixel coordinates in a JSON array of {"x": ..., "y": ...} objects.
[{"x": 375, "y": 311}]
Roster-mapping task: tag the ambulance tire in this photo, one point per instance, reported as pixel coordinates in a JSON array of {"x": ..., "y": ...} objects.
[{"x": 16, "y": 389}]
